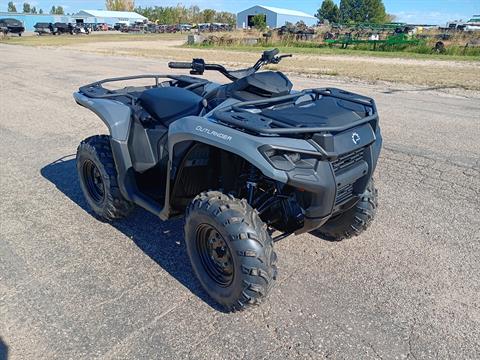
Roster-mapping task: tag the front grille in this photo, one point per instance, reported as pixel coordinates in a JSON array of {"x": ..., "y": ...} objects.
[
  {"x": 345, "y": 192},
  {"x": 346, "y": 160}
]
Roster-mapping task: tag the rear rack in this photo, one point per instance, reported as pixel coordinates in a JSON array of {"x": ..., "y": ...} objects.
[{"x": 240, "y": 114}]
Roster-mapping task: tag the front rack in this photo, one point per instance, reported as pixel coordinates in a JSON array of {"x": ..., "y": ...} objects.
[{"x": 240, "y": 114}]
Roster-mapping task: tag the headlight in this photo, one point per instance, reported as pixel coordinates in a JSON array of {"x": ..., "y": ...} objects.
[{"x": 287, "y": 160}]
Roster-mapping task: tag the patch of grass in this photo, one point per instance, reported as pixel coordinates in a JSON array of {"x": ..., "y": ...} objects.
[
  {"x": 63, "y": 40},
  {"x": 414, "y": 52}
]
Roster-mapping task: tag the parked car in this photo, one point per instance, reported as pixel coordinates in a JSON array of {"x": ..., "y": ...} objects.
[
  {"x": 80, "y": 29},
  {"x": 151, "y": 28},
  {"x": 119, "y": 26},
  {"x": 12, "y": 26},
  {"x": 135, "y": 28},
  {"x": 44, "y": 29},
  {"x": 62, "y": 28}
]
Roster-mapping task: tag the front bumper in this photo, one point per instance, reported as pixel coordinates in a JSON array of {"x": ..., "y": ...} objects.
[{"x": 335, "y": 184}]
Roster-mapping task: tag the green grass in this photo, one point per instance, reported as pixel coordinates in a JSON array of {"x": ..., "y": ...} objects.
[
  {"x": 63, "y": 40},
  {"x": 413, "y": 52}
]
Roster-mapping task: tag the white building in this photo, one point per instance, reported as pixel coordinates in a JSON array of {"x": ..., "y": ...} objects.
[
  {"x": 110, "y": 17},
  {"x": 275, "y": 17}
]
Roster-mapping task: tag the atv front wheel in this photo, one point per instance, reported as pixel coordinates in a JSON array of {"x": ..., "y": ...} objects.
[
  {"x": 355, "y": 220},
  {"x": 98, "y": 179},
  {"x": 230, "y": 250}
]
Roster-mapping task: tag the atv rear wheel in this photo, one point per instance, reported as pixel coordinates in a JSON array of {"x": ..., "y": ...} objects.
[
  {"x": 98, "y": 179},
  {"x": 355, "y": 220},
  {"x": 230, "y": 250}
]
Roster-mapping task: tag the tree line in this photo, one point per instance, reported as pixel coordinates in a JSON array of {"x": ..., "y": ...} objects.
[
  {"x": 28, "y": 9},
  {"x": 170, "y": 15},
  {"x": 180, "y": 14},
  {"x": 354, "y": 11}
]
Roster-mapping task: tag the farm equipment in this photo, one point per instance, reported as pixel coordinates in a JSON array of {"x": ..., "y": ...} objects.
[{"x": 391, "y": 41}]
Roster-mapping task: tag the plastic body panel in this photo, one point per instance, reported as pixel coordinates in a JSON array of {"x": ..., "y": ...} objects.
[
  {"x": 116, "y": 115},
  {"x": 321, "y": 182}
]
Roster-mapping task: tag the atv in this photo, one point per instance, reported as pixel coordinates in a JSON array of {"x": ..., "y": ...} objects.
[{"x": 246, "y": 163}]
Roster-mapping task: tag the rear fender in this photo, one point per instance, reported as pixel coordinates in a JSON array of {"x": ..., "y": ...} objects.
[{"x": 116, "y": 115}]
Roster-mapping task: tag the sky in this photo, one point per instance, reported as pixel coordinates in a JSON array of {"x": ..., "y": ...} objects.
[{"x": 436, "y": 12}]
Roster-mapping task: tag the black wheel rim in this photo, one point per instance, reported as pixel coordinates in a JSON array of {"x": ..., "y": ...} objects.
[
  {"x": 93, "y": 181},
  {"x": 215, "y": 255}
]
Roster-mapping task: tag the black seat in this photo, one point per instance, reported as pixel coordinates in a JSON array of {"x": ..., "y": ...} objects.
[{"x": 167, "y": 104}]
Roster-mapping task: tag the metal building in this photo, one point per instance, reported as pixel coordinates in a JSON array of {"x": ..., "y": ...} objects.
[
  {"x": 110, "y": 17},
  {"x": 275, "y": 17}
]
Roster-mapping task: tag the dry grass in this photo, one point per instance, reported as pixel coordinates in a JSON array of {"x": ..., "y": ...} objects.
[
  {"x": 65, "y": 40},
  {"x": 428, "y": 71},
  {"x": 434, "y": 73}
]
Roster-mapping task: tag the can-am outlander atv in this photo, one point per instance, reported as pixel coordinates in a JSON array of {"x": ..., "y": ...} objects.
[{"x": 242, "y": 162}]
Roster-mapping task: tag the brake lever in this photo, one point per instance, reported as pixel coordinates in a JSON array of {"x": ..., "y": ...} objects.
[{"x": 277, "y": 59}]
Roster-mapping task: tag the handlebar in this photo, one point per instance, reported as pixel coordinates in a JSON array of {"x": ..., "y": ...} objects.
[
  {"x": 179, "y": 65},
  {"x": 198, "y": 66}
]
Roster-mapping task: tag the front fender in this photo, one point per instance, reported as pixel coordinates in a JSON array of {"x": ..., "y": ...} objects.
[
  {"x": 194, "y": 128},
  {"x": 116, "y": 115}
]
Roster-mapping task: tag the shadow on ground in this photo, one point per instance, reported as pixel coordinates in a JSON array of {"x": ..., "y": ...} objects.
[
  {"x": 3, "y": 350},
  {"x": 162, "y": 241}
]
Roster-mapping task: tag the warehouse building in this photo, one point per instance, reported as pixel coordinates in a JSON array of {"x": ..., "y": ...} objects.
[
  {"x": 83, "y": 16},
  {"x": 275, "y": 17},
  {"x": 110, "y": 17}
]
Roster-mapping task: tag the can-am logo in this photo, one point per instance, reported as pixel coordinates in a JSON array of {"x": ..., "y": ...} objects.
[
  {"x": 213, "y": 133},
  {"x": 355, "y": 138}
]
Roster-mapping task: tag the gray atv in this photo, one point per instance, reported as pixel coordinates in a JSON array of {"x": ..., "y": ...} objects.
[{"x": 246, "y": 163}]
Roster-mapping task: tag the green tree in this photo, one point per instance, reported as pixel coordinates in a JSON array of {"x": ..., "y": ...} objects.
[
  {"x": 40, "y": 11},
  {"x": 53, "y": 10},
  {"x": 328, "y": 11},
  {"x": 208, "y": 15},
  {"x": 391, "y": 18},
  {"x": 357, "y": 11},
  {"x": 26, "y": 8},
  {"x": 194, "y": 14},
  {"x": 120, "y": 5},
  {"x": 260, "y": 21},
  {"x": 226, "y": 17},
  {"x": 170, "y": 15},
  {"x": 34, "y": 10},
  {"x": 11, "y": 7},
  {"x": 59, "y": 10}
]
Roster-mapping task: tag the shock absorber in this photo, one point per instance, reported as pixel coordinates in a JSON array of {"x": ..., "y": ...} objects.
[{"x": 252, "y": 183}]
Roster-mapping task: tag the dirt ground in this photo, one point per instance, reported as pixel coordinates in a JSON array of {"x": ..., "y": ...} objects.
[
  {"x": 74, "y": 287},
  {"x": 433, "y": 73},
  {"x": 372, "y": 67}
]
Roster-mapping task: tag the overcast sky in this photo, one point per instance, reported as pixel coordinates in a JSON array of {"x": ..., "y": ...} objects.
[{"x": 411, "y": 11}]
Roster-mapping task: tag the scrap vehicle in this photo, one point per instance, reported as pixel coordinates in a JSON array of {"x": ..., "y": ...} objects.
[
  {"x": 299, "y": 31},
  {"x": 44, "y": 28},
  {"x": 119, "y": 26},
  {"x": 62, "y": 28},
  {"x": 12, "y": 26},
  {"x": 80, "y": 29},
  {"x": 245, "y": 163}
]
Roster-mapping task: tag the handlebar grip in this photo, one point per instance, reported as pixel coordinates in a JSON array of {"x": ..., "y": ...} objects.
[{"x": 179, "y": 65}]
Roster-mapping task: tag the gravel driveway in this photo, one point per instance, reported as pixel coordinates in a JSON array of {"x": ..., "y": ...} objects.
[{"x": 74, "y": 287}]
